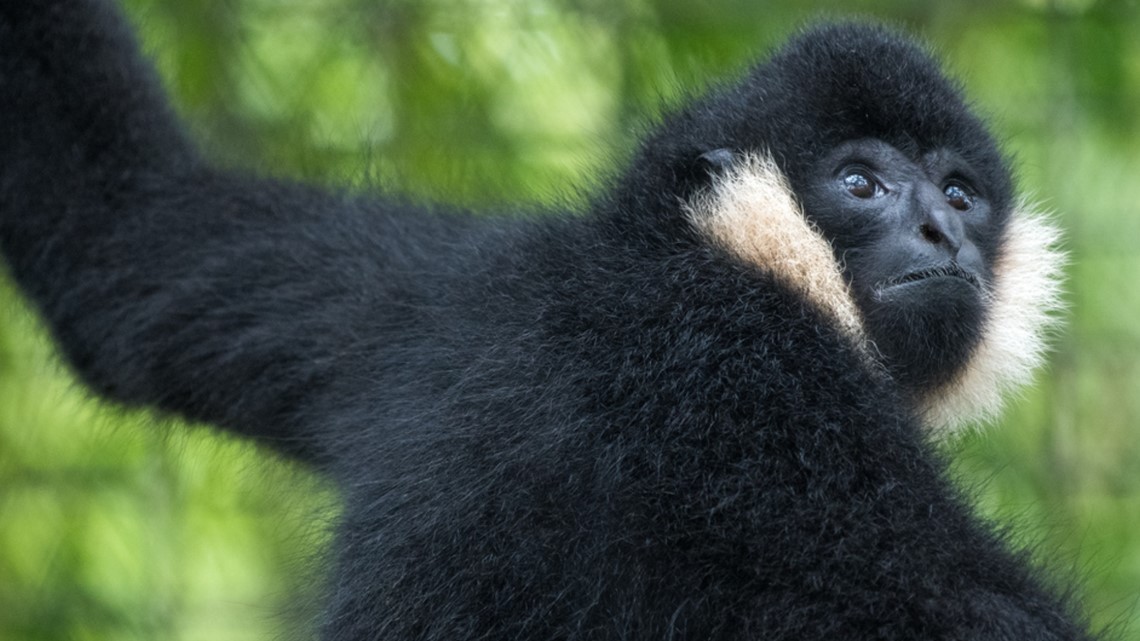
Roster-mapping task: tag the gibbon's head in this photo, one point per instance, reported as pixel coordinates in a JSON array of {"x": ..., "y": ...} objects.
[{"x": 850, "y": 167}]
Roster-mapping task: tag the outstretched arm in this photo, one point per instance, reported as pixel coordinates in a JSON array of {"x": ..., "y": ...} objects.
[{"x": 166, "y": 283}]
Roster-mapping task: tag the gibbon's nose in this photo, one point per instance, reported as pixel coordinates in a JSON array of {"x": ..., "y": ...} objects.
[{"x": 941, "y": 225}]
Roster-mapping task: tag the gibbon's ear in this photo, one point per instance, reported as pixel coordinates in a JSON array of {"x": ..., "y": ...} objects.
[
  {"x": 750, "y": 212},
  {"x": 1023, "y": 311},
  {"x": 718, "y": 161}
]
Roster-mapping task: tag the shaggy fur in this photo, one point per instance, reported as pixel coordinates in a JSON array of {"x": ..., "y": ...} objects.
[{"x": 592, "y": 426}]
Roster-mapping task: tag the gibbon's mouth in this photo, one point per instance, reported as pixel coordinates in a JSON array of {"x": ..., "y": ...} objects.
[{"x": 948, "y": 270}]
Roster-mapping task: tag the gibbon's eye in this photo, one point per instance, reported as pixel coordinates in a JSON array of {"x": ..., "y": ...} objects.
[
  {"x": 958, "y": 196},
  {"x": 860, "y": 183}
]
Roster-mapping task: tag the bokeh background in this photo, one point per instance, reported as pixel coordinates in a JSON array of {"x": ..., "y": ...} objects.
[{"x": 118, "y": 525}]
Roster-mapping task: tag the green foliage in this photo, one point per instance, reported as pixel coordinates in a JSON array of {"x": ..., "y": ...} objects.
[{"x": 113, "y": 527}]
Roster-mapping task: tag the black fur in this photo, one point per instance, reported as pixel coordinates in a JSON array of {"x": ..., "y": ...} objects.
[{"x": 570, "y": 427}]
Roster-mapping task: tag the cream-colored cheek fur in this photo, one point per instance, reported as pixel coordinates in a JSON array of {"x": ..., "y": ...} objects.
[
  {"x": 1023, "y": 306},
  {"x": 751, "y": 213}
]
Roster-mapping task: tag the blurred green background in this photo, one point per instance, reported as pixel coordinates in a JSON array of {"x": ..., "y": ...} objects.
[{"x": 116, "y": 525}]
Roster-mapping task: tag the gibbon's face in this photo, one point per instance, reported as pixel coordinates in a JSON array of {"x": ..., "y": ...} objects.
[{"x": 914, "y": 235}]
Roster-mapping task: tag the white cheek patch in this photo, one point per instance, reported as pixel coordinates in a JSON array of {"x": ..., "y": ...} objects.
[
  {"x": 750, "y": 212},
  {"x": 1022, "y": 314}
]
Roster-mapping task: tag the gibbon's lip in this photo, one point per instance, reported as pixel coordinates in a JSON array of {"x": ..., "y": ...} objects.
[{"x": 947, "y": 270}]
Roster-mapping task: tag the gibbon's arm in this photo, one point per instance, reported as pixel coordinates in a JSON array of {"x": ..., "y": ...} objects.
[{"x": 220, "y": 298}]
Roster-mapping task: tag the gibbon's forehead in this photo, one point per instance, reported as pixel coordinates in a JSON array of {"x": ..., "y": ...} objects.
[
  {"x": 851, "y": 81},
  {"x": 870, "y": 82}
]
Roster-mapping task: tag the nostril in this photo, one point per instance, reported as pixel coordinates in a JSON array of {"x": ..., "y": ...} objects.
[{"x": 931, "y": 234}]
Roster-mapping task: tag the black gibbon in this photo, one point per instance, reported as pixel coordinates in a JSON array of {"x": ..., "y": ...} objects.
[{"x": 702, "y": 409}]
